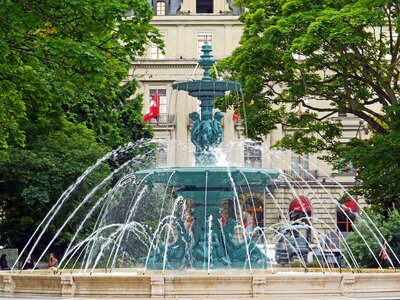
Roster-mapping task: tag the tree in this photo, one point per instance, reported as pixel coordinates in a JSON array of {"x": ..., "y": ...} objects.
[
  {"x": 65, "y": 58},
  {"x": 377, "y": 161},
  {"x": 34, "y": 178},
  {"x": 389, "y": 228},
  {"x": 65, "y": 100},
  {"x": 323, "y": 57}
]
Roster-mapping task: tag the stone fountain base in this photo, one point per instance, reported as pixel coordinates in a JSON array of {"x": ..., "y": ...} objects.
[{"x": 219, "y": 284}]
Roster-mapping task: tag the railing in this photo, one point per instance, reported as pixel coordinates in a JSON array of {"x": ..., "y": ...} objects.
[
  {"x": 163, "y": 120},
  {"x": 300, "y": 175}
]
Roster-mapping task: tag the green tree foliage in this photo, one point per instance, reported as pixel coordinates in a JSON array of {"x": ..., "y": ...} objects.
[
  {"x": 303, "y": 62},
  {"x": 66, "y": 58},
  {"x": 323, "y": 56},
  {"x": 65, "y": 100},
  {"x": 377, "y": 161},
  {"x": 34, "y": 178},
  {"x": 389, "y": 228}
]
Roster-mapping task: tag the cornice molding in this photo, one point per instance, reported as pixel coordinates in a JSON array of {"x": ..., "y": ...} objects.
[
  {"x": 165, "y": 64},
  {"x": 197, "y": 20}
]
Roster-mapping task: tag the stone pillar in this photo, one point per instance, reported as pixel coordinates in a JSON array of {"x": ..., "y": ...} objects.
[
  {"x": 9, "y": 285},
  {"x": 259, "y": 283},
  {"x": 67, "y": 285},
  {"x": 347, "y": 284},
  {"x": 157, "y": 287}
]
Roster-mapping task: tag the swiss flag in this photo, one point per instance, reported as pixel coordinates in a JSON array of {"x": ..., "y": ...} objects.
[
  {"x": 152, "y": 111},
  {"x": 235, "y": 116},
  {"x": 222, "y": 219}
]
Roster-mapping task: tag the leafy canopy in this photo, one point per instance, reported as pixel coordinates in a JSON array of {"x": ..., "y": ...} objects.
[
  {"x": 377, "y": 161},
  {"x": 389, "y": 228},
  {"x": 302, "y": 62},
  {"x": 65, "y": 59},
  {"x": 65, "y": 100}
]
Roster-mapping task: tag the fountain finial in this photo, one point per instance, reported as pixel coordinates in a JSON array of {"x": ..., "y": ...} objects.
[{"x": 206, "y": 61}]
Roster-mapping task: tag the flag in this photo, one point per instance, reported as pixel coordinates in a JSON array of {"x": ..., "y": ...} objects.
[
  {"x": 222, "y": 219},
  {"x": 152, "y": 111},
  {"x": 235, "y": 116}
]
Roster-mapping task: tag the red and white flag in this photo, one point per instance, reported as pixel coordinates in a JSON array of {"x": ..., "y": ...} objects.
[
  {"x": 222, "y": 219},
  {"x": 152, "y": 111},
  {"x": 235, "y": 116}
]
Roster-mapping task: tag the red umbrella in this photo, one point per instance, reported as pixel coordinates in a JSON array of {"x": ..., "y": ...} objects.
[{"x": 300, "y": 204}]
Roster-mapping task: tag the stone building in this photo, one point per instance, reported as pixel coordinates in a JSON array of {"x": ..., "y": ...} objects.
[{"x": 185, "y": 26}]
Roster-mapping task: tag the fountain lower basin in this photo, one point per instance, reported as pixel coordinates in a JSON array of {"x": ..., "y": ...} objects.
[{"x": 192, "y": 283}]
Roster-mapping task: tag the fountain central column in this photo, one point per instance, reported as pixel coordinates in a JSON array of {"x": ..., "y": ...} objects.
[{"x": 206, "y": 133}]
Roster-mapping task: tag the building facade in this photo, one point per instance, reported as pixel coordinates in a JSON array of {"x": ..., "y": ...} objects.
[{"x": 185, "y": 26}]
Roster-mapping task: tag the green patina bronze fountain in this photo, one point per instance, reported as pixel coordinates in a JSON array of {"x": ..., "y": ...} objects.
[{"x": 207, "y": 244}]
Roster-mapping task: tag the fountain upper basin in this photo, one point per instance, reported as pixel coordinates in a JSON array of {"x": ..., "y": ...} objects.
[
  {"x": 208, "y": 176},
  {"x": 202, "y": 88}
]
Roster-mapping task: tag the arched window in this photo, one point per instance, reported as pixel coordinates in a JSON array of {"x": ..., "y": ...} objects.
[
  {"x": 160, "y": 8},
  {"x": 346, "y": 215},
  {"x": 300, "y": 209}
]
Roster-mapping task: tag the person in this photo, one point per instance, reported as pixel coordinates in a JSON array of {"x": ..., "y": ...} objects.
[
  {"x": 53, "y": 262},
  {"x": 29, "y": 263},
  {"x": 4, "y": 263},
  {"x": 384, "y": 257}
]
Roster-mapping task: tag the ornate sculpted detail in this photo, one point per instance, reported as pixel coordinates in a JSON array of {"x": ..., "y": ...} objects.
[
  {"x": 206, "y": 134},
  {"x": 68, "y": 285},
  {"x": 157, "y": 286},
  {"x": 9, "y": 285},
  {"x": 347, "y": 284}
]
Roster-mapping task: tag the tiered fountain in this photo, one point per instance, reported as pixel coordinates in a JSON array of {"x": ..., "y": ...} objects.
[{"x": 208, "y": 244}]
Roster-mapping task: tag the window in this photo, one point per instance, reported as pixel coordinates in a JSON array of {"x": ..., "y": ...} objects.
[
  {"x": 201, "y": 39},
  {"x": 161, "y": 155},
  {"x": 300, "y": 166},
  {"x": 204, "y": 6},
  {"x": 155, "y": 51},
  {"x": 343, "y": 221},
  {"x": 160, "y": 8},
  {"x": 252, "y": 155},
  {"x": 162, "y": 105}
]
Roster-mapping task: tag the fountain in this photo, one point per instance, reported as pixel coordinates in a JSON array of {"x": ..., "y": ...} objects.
[
  {"x": 186, "y": 250},
  {"x": 206, "y": 185}
]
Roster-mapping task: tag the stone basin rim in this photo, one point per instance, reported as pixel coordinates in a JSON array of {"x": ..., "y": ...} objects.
[
  {"x": 270, "y": 172},
  {"x": 217, "y": 176},
  {"x": 295, "y": 271}
]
